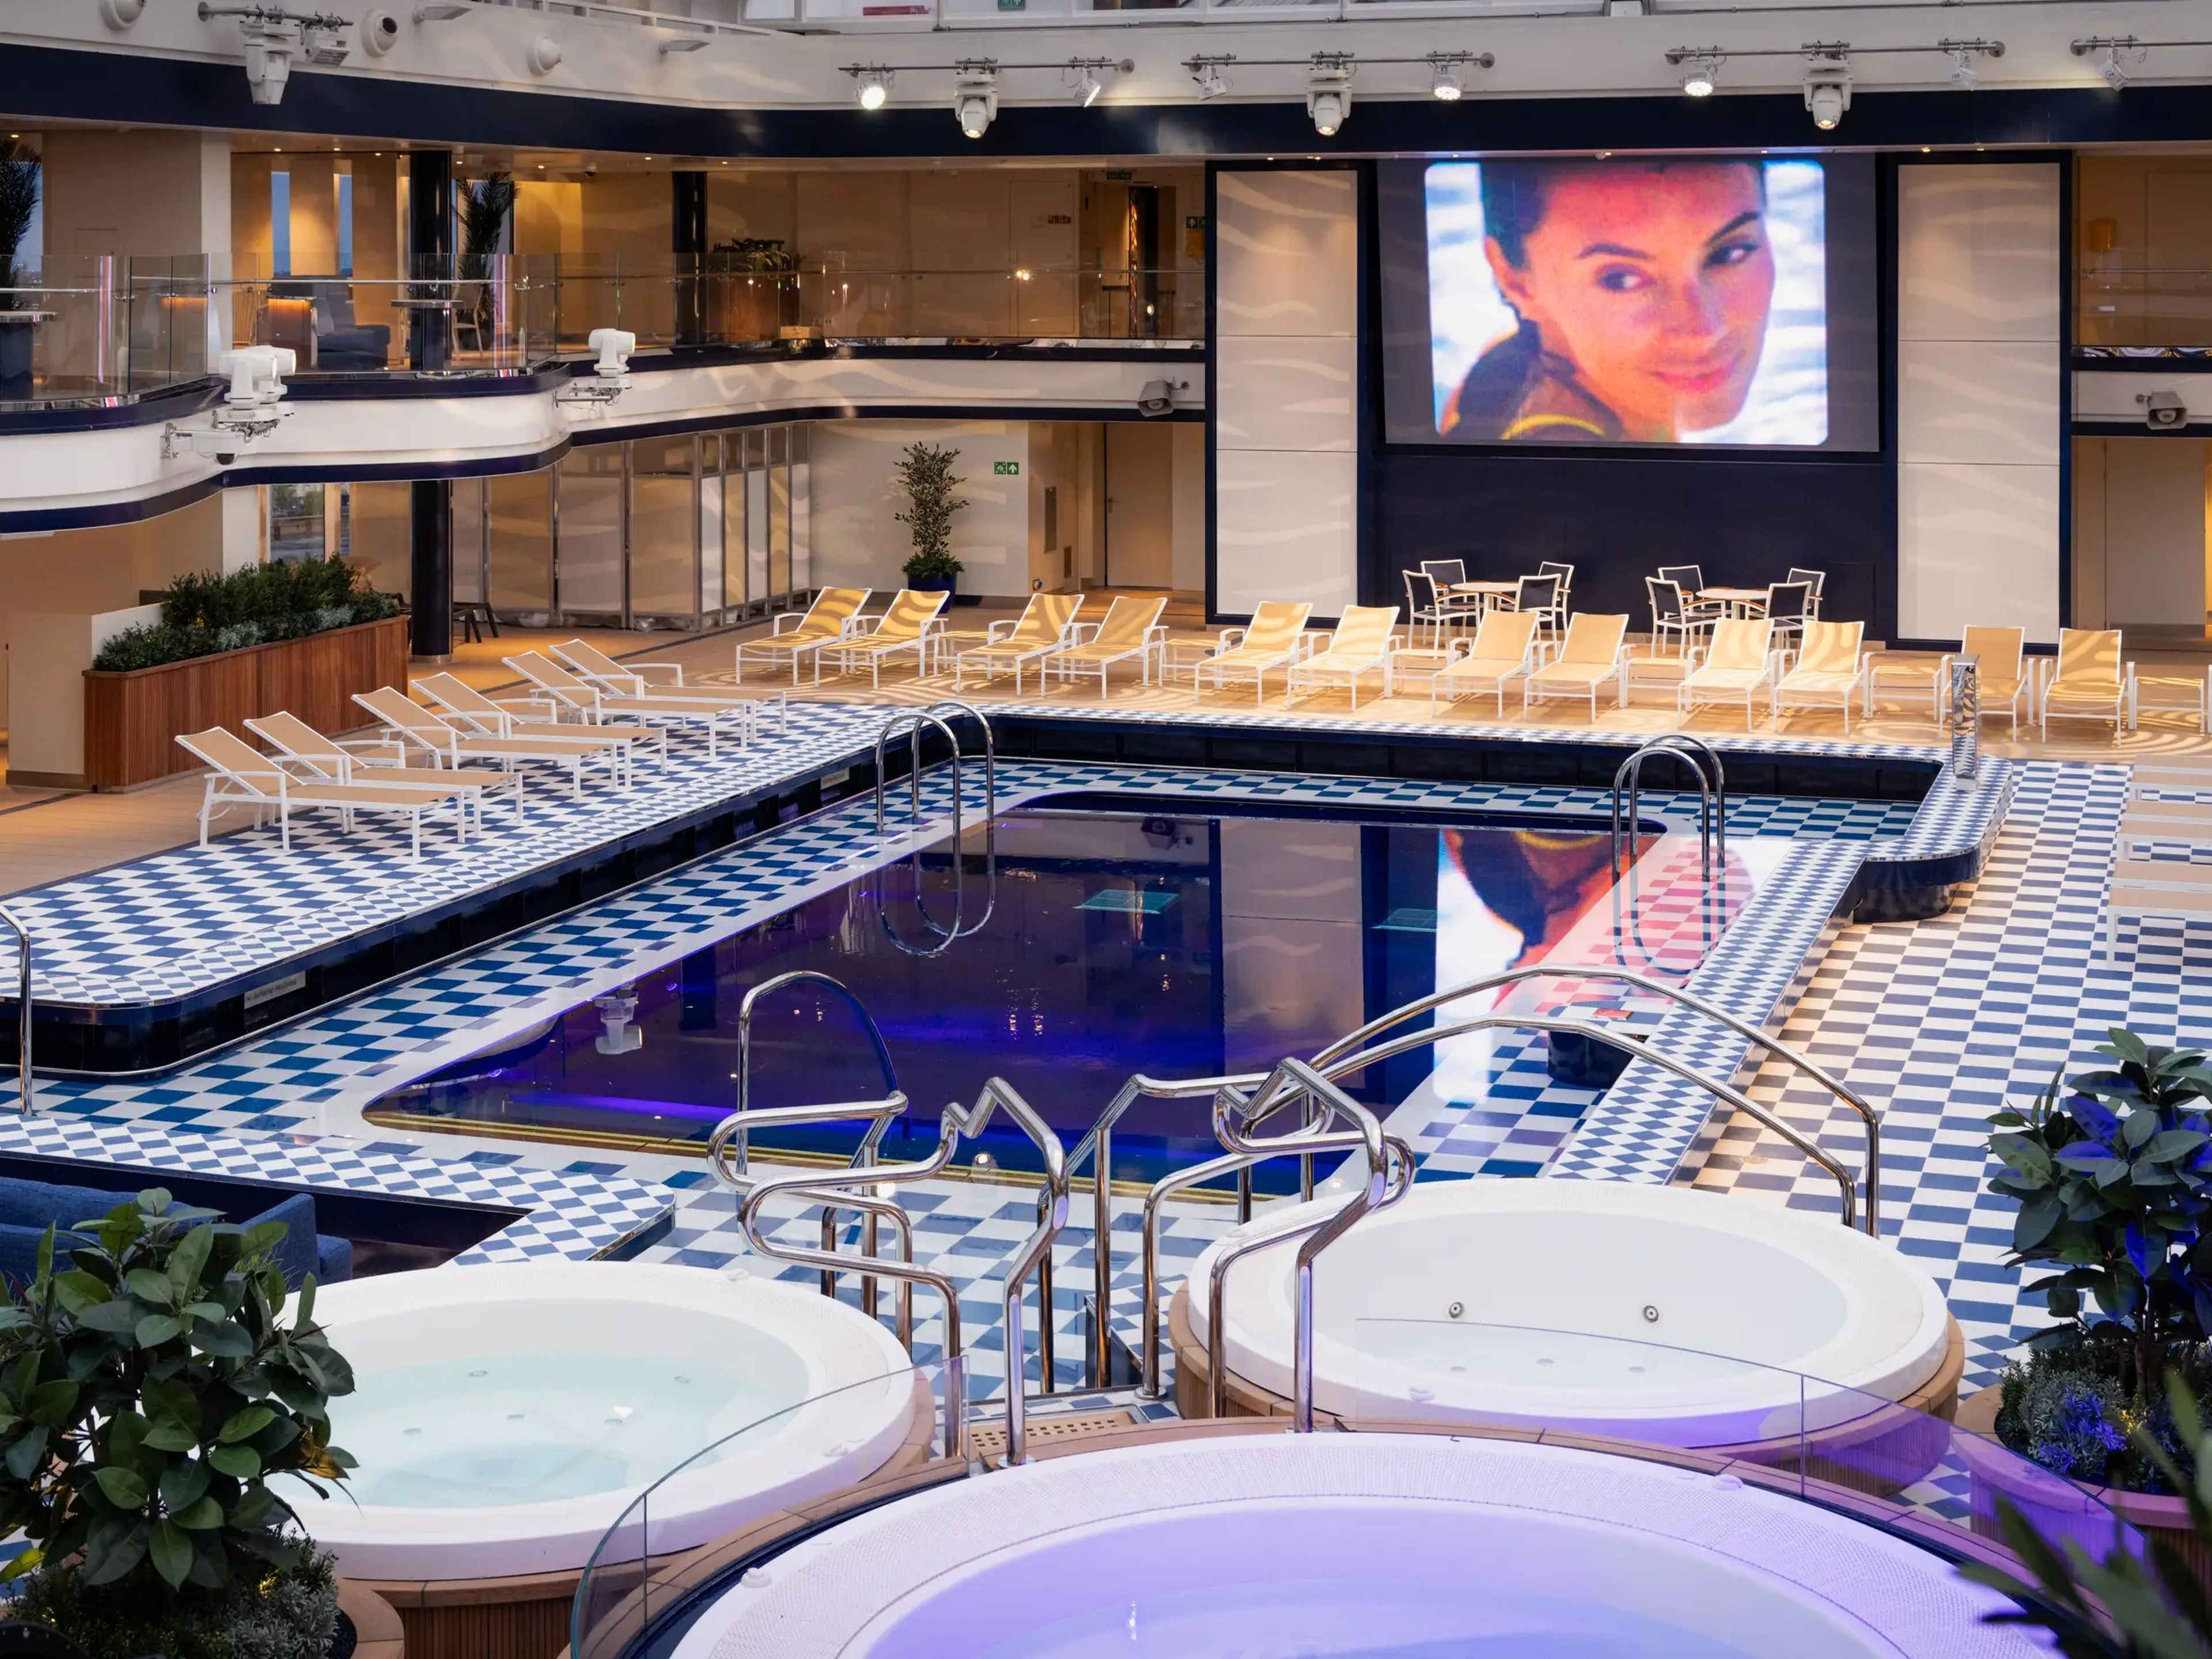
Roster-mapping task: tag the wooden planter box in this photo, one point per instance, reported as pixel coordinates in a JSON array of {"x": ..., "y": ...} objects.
[{"x": 132, "y": 718}]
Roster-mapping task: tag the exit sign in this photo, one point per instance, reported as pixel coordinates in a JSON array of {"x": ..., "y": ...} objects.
[{"x": 1007, "y": 469}]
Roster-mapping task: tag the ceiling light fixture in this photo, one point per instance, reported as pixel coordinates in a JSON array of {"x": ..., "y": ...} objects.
[
  {"x": 1965, "y": 70},
  {"x": 684, "y": 43},
  {"x": 1827, "y": 89},
  {"x": 975, "y": 100},
  {"x": 1447, "y": 76},
  {"x": 1088, "y": 87},
  {"x": 1328, "y": 92},
  {"x": 1206, "y": 74},
  {"x": 2117, "y": 57},
  {"x": 874, "y": 84},
  {"x": 1701, "y": 77}
]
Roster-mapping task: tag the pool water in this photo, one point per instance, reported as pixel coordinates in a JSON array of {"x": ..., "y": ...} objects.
[
  {"x": 1115, "y": 939},
  {"x": 534, "y": 1428},
  {"x": 1345, "y": 1618}
]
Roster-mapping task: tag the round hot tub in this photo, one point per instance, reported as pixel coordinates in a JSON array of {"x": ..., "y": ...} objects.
[
  {"x": 504, "y": 1416},
  {"x": 1654, "y": 1313},
  {"x": 1270, "y": 1546}
]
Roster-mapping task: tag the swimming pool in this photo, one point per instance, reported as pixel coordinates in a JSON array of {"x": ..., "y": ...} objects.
[{"x": 1117, "y": 935}]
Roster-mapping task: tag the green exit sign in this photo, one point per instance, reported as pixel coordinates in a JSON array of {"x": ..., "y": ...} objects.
[{"x": 1007, "y": 469}]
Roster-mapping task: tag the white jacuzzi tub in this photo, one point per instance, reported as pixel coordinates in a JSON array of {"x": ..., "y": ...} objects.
[
  {"x": 505, "y": 1416},
  {"x": 1448, "y": 1308},
  {"x": 1269, "y": 1546}
]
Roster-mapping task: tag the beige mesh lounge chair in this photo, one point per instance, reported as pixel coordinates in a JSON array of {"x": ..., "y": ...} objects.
[
  {"x": 241, "y": 775},
  {"x": 467, "y": 709},
  {"x": 794, "y": 639},
  {"x": 914, "y": 622},
  {"x": 2093, "y": 683},
  {"x": 2001, "y": 671},
  {"x": 1593, "y": 652},
  {"x": 453, "y": 746},
  {"x": 631, "y": 677},
  {"x": 1503, "y": 650},
  {"x": 1360, "y": 646},
  {"x": 378, "y": 760},
  {"x": 1042, "y": 629},
  {"x": 1831, "y": 671},
  {"x": 580, "y": 697},
  {"x": 1132, "y": 627},
  {"x": 1274, "y": 638},
  {"x": 1738, "y": 661},
  {"x": 586, "y": 661}
]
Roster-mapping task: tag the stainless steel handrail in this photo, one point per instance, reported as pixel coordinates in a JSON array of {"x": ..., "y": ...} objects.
[
  {"x": 910, "y": 722},
  {"x": 24, "y": 1105},
  {"x": 1964, "y": 715},
  {"x": 956, "y": 705},
  {"x": 1712, "y": 796}
]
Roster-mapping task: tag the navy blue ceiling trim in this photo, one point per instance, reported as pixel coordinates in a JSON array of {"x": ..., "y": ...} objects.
[
  {"x": 45, "y": 519},
  {"x": 143, "y": 90},
  {"x": 2190, "y": 365}
]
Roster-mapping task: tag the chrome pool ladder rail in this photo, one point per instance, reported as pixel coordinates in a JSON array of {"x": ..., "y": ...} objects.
[
  {"x": 910, "y": 723},
  {"x": 1869, "y": 1117},
  {"x": 24, "y": 1105},
  {"x": 835, "y": 1186},
  {"x": 1712, "y": 796},
  {"x": 727, "y": 1146}
]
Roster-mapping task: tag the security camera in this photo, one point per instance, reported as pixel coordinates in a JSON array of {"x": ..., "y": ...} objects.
[
  {"x": 257, "y": 375},
  {"x": 614, "y": 346},
  {"x": 120, "y": 14},
  {"x": 2163, "y": 411},
  {"x": 274, "y": 37},
  {"x": 545, "y": 55},
  {"x": 380, "y": 32},
  {"x": 1157, "y": 397}
]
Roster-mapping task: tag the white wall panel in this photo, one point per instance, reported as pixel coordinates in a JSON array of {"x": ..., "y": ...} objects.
[
  {"x": 1286, "y": 287},
  {"x": 1967, "y": 400},
  {"x": 1980, "y": 397},
  {"x": 853, "y": 494}
]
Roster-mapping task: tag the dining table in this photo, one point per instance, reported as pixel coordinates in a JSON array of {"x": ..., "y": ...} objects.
[
  {"x": 1739, "y": 601},
  {"x": 1486, "y": 594}
]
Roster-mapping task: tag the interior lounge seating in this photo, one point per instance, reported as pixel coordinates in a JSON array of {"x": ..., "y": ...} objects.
[
  {"x": 333, "y": 339},
  {"x": 1503, "y": 650},
  {"x": 465, "y": 708},
  {"x": 1594, "y": 652},
  {"x": 1741, "y": 662},
  {"x": 576, "y": 695}
]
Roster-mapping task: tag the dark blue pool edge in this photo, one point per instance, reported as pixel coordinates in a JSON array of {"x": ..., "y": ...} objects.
[{"x": 1909, "y": 879}]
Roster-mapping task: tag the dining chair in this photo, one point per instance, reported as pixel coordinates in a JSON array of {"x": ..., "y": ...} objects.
[
  {"x": 1690, "y": 579},
  {"x": 1670, "y": 615},
  {"x": 1539, "y": 595},
  {"x": 1812, "y": 579},
  {"x": 1566, "y": 573},
  {"x": 1448, "y": 573},
  {"x": 1425, "y": 607},
  {"x": 1788, "y": 607}
]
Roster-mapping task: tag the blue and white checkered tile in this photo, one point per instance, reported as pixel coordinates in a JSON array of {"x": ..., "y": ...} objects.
[
  {"x": 1940, "y": 1022},
  {"x": 568, "y": 1214}
]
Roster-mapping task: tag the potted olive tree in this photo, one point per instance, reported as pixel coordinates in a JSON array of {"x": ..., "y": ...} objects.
[
  {"x": 926, "y": 474},
  {"x": 19, "y": 200},
  {"x": 2114, "y": 1179},
  {"x": 151, "y": 1388}
]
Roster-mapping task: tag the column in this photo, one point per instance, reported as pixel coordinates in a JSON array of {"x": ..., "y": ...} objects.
[
  {"x": 690, "y": 247},
  {"x": 431, "y": 542},
  {"x": 430, "y": 255}
]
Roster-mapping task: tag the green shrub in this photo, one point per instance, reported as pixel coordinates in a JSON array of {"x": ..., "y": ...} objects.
[
  {"x": 150, "y": 1389},
  {"x": 288, "y": 1614},
  {"x": 209, "y": 611},
  {"x": 2070, "y": 1409}
]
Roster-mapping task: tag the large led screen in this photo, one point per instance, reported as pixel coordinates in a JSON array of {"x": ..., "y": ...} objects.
[{"x": 1714, "y": 300}]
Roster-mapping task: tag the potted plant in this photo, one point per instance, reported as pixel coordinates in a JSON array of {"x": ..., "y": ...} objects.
[
  {"x": 757, "y": 281},
  {"x": 926, "y": 474},
  {"x": 485, "y": 206},
  {"x": 2114, "y": 1182},
  {"x": 149, "y": 1389},
  {"x": 19, "y": 200}
]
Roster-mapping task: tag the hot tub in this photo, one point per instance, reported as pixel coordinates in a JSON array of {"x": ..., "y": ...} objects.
[
  {"x": 505, "y": 1416},
  {"x": 1270, "y": 1546},
  {"x": 1656, "y": 1314}
]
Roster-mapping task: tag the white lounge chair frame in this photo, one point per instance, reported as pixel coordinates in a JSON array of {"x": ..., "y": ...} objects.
[{"x": 231, "y": 782}]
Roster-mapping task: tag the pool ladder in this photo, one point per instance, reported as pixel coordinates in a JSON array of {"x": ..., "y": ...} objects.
[
  {"x": 912, "y": 723},
  {"x": 1697, "y": 755},
  {"x": 865, "y": 1187},
  {"x": 1250, "y": 1098}
]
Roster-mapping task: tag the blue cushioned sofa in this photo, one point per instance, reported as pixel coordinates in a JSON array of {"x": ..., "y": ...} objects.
[{"x": 28, "y": 1207}]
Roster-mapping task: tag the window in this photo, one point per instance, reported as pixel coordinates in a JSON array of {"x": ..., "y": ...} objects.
[{"x": 280, "y": 224}]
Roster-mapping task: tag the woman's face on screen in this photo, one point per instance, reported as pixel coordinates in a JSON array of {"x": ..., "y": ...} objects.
[{"x": 1655, "y": 283}]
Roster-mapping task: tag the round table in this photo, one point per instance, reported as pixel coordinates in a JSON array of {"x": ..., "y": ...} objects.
[{"x": 1739, "y": 601}]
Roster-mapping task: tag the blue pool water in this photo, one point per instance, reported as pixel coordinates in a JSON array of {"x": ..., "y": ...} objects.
[{"x": 1115, "y": 939}]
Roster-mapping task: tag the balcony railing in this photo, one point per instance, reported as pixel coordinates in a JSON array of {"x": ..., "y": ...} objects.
[
  {"x": 2143, "y": 304},
  {"x": 102, "y": 330}
]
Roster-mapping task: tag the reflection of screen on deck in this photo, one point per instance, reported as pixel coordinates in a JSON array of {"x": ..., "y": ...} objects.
[{"x": 1708, "y": 300}]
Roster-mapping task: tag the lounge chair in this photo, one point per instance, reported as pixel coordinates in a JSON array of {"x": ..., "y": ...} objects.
[
  {"x": 241, "y": 775},
  {"x": 1042, "y": 629},
  {"x": 579, "y": 696},
  {"x": 588, "y": 662},
  {"x": 454, "y": 745},
  {"x": 1831, "y": 671},
  {"x": 2093, "y": 682},
  {"x": 2163, "y": 887},
  {"x": 1360, "y": 645},
  {"x": 1740, "y": 661},
  {"x": 1132, "y": 627},
  {"x": 1274, "y": 638},
  {"x": 794, "y": 638},
  {"x": 592, "y": 663},
  {"x": 467, "y": 709},
  {"x": 912, "y": 621},
  {"x": 378, "y": 760},
  {"x": 1503, "y": 650},
  {"x": 1593, "y": 652},
  {"x": 2001, "y": 675}
]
